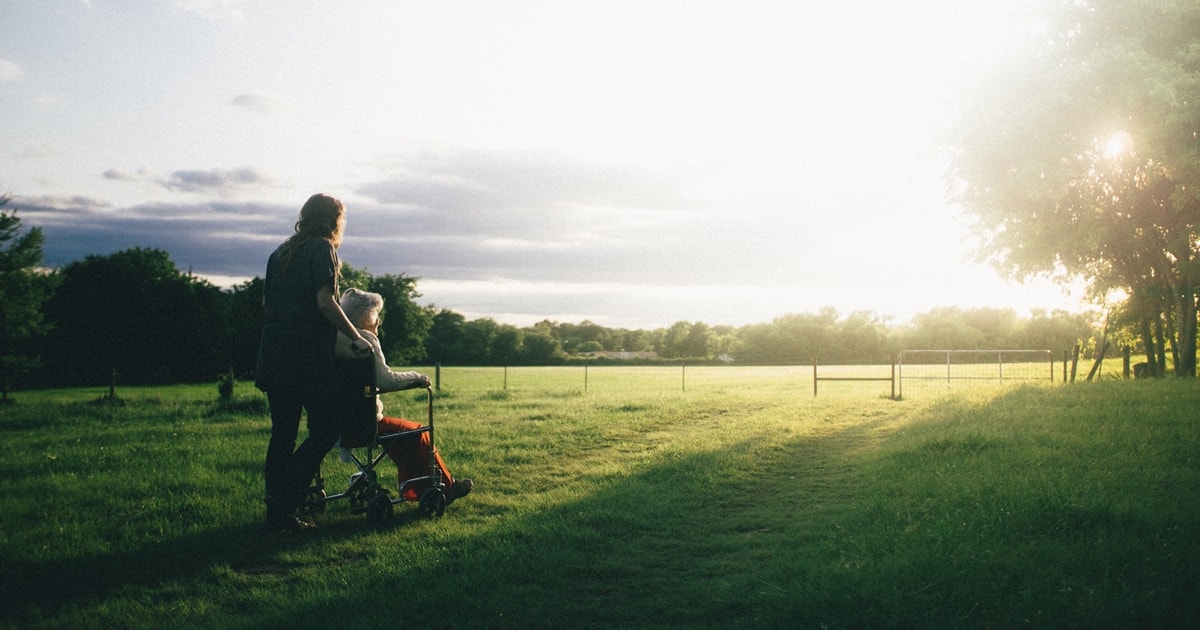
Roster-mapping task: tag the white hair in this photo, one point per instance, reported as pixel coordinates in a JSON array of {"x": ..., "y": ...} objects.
[{"x": 359, "y": 306}]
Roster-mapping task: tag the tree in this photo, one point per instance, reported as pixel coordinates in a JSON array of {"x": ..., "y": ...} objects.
[
  {"x": 698, "y": 341},
  {"x": 507, "y": 344},
  {"x": 1086, "y": 163},
  {"x": 860, "y": 337},
  {"x": 24, "y": 290},
  {"x": 246, "y": 312},
  {"x": 673, "y": 345},
  {"x": 630, "y": 340},
  {"x": 478, "y": 336},
  {"x": 135, "y": 313},
  {"x": 952, "y": 328},
  {"x": 445, "y": 341},
  {"x": 405, "y": 325},
  {"x": 539, "y": 346},
  {"x": 1057, "y": 331}
]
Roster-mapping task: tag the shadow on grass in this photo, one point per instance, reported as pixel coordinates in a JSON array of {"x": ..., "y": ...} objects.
[
  {"x": 38, "y": 590},
  {"x": 762, "y": 532},
  {"x": 708, "y": 540},
  {"x": 802, "y": 533},
  {"x": 599, "y": 546}
]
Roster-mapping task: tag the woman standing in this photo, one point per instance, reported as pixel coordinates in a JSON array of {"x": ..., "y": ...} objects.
[{"x": 295, "y": 356}]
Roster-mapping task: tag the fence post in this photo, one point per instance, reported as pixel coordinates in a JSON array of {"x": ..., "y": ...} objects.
[
  {"x": 814, "y": 377},
  {"x": 437, "y": 376},
  {"x": 893, "y": 377},
  {"x": 1074, "y": 362}
]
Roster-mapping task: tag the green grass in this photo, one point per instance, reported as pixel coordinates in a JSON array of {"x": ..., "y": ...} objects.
[{"x": 732, "y": 498}]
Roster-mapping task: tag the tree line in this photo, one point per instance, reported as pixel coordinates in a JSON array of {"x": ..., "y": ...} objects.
[{"x": 134, "y": 317}]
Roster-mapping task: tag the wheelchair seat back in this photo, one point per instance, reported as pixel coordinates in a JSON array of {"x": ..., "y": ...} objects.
[{"x": 356, "y": 400}]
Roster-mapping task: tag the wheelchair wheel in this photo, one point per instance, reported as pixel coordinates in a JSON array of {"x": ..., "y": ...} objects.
[
  {"x": 314, "y": 502},
  {"x": 433, "y": 502},
  {"x": 379, "y": 510},
  {"x": 360, "y": 495}
]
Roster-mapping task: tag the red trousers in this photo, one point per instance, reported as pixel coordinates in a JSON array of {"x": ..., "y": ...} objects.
[{"x": 412, "y": 455}]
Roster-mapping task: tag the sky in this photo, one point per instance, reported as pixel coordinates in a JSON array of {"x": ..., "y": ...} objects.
[{"x": 633, "y": 164}]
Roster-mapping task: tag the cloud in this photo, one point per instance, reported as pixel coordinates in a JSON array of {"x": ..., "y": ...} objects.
[
  {"x": 54, "y": 205},
  {"x": 453, "y": 217},
  {"x": 212, "y": 9},
  {"x": 460, "y": 216},
  {"x": 119, "y": 175},
  {"x": 256, "y": 103},
  {"x": 219, "y": 239},
  {"x": 504, "y": 199},
  {"x": 223, "y": 183},
  {"x": 468, "y": 179},
  {"x": 9, "y": 70}
]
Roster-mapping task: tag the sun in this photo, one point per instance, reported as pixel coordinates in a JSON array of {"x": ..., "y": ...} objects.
[{"x": 1118, "y": 144}]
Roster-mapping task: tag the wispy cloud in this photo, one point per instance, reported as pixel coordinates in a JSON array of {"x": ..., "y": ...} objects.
[
  {"x": 471, "y": 213},
  {"x": 523, "y": 197},
  {"x": 115, "y": 174},
  {"x": 218, "y": 182},
  {"x": 257, "y": 103},
  {"x": 459, "y": 180},
  {"x": 9, "y": 70},
  {"x": 212, "y": 9},
  {"x": 50, "y": 206},
  {"x": 543, "y": 217}
]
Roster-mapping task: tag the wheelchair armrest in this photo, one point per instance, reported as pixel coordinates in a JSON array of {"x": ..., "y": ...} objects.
[{"x": 388, "y": 438}]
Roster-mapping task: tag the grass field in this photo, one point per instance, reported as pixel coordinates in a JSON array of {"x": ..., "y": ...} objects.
[{"x": 645, "y": 498}]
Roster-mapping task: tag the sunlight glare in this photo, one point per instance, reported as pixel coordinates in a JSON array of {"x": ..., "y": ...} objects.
[
  {"x": 1118, "y": 145},
  {"x": 1116, "y": 296}
]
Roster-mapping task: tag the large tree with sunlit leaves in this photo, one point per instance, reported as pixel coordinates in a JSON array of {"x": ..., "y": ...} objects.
[{"x": 1079, "y": 157}]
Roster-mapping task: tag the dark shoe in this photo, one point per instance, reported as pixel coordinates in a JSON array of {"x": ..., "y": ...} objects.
[
  {"x": 289, "y": 523},
  {"x": 461, "y": 488}
]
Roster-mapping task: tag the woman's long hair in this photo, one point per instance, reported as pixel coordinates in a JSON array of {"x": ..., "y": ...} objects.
[{"x": 321, "y": 217}]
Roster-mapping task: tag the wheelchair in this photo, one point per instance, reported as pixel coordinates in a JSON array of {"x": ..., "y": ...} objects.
[{"x": 357, "y": 396}]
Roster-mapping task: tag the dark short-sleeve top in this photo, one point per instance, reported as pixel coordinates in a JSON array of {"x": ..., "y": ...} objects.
[{"x": 296, "y": 349}]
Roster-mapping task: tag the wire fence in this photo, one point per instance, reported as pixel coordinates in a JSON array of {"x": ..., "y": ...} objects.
[
  {"x": 911, "y": 373},
  {"x": 939, "y": 371},
  {"x": 591, "y": 378}
]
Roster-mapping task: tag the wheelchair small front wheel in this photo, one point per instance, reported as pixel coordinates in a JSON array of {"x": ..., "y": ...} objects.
[
  {"x": 433, "y": 502},
  {"x": 314, "y": 502},
  {"x": 379, "y": 510}
]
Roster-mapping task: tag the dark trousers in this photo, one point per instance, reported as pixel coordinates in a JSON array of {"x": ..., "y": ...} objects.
[{"x": 288, "y": 472}]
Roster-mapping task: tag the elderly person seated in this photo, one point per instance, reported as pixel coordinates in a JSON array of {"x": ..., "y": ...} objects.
[{"x": 411, "y": 455}]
